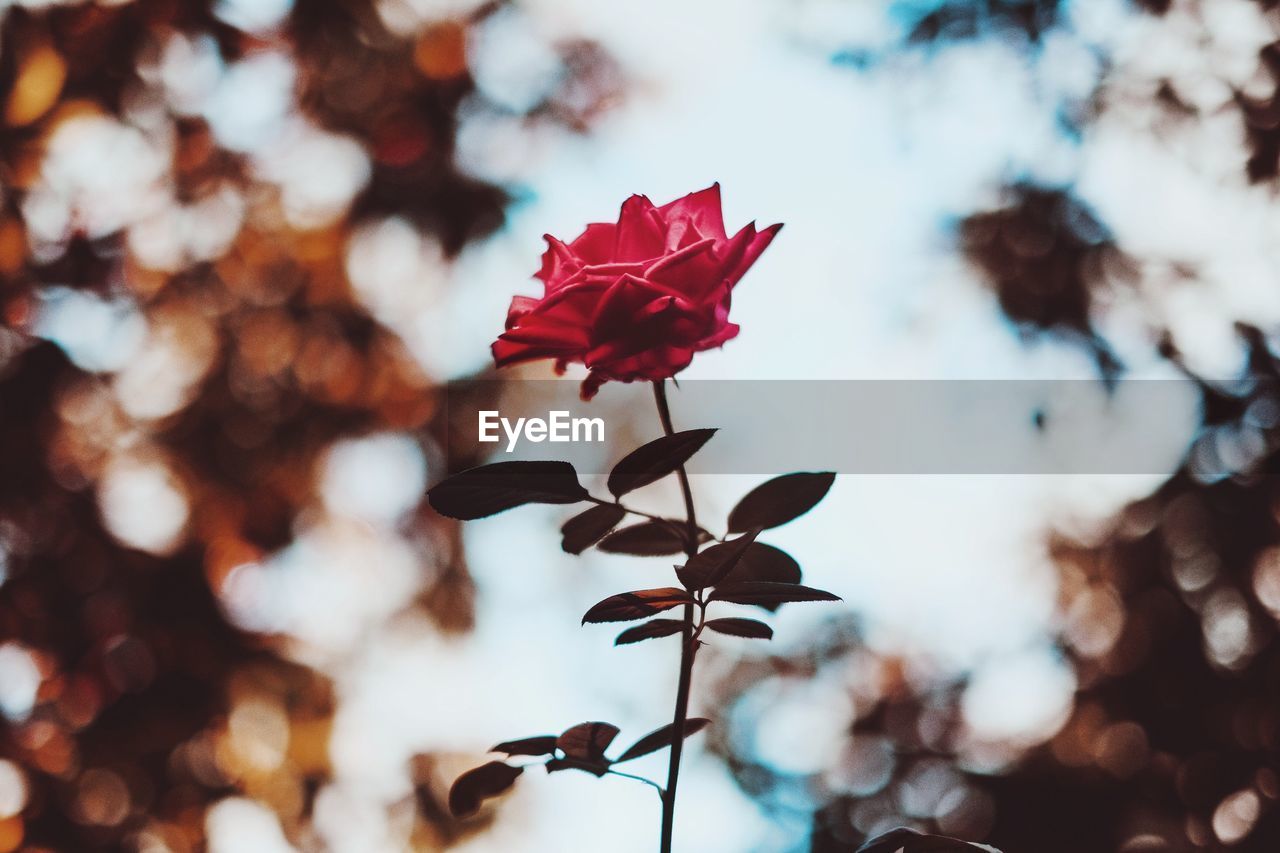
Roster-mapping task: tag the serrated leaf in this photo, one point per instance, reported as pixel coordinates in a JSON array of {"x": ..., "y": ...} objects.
[
  {"x": 779, "y": 500},
  {"x": 587, "y": 742},
  {"x": 540, "y": 745},
  {"x": 910, "y": 841},
  {"x": 490, "y": 489},
  {"x": 764, "y": 593},
  {"x": 628, "y": 606},
  {"x": 475, "y": 786},
  {"x": 655, "y": 460},
  {"x": 586, "y": 528},
  {"x": 649, "y": 630},
  {"x": 709, "y": 567},
  {"x": 735, "y": 627},
  {"x": 661, "y": 738},
  {"x": 647, "y": 539}
]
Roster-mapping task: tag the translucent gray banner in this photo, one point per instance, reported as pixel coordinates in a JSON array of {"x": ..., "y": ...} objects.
[{"x": 853, "y": 427}]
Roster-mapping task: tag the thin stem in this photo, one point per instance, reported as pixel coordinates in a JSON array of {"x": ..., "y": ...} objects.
[
  {"x": 701, "y": 604},
  {"x": 671, "y": 521},
  {"x": 688, "y": 645},
  {"x": 648, "y": 515},
  {"x": 664, "y": 414},
  {"x": 661, "y": 793}
]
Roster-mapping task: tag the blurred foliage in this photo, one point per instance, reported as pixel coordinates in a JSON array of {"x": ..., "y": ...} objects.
[
  {"x": 151, "y": 701},
  {"x": 933, "y": 22},
  {"x": 1046, "y": 254}
]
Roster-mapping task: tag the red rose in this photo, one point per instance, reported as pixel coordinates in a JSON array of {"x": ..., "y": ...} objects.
[{"x": 637, "y": 299}]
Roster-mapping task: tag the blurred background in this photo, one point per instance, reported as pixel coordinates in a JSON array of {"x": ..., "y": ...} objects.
[{"x": 244, "y": 244}]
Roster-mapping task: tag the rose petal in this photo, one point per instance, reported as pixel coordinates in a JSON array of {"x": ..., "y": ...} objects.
[
  {"x": 547, "y": 335},
  {"x": 507, "y": 352},
  {"x": 679, "y": 257},
  {"x": 520, "y": 306},
  {"x": 595, "y": 244},
  {"x": 558, "y": 263},
  {"x": 700, "y": 210},
  {"x": 654, "y": 363},
  {"x": 694, "y": 275},
  {"x": 640, "y": 232},
  {"x": 591, "y": 385},
  {"x": 578, "y": 298},
  {"x": 628, "y": 303},
  {"x": 758, "y": 242},
  {"x": 610, "y": 272},
  {"x": 719, "y": 338}
]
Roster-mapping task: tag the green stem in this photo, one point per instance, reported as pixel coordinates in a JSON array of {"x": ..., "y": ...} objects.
[
  {"x": 661, "y": 793},
  {"x": 688, "y": 645}
]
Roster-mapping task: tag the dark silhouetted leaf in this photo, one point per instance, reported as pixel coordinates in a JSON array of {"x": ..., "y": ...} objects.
[
  {"x": 647, "y": 539},
  {"x": 779, "y": 501},
  {"x": 586, "y": 741},
  {"x": 661, "y": 738},
  {"x": 490, "y": 489},
  {"x": 540, "y": 745},
  {"x": 598, "y": 767},
  {"x": 764, "y": 593},
  {"x": 474, "y": 786},
  {"x": 656, "y": 460},
  {"x": 649, "y": 630},
  {"x": 764, "y": 562},
  {"x": 585, "y": 529},
  {"x": 910, "y": 841},
  {"x": 735, "y": 627},
  {"x": 628, "y": 606},
  {"x": 709, "y": 567}
]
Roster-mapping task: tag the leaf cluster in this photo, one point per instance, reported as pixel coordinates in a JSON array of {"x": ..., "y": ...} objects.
[
  {"x": 737, "y": 569},
  {"x": 581, "y": 747}
]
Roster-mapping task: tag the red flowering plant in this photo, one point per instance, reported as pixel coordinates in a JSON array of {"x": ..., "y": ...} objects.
[{"x": 634, "y": 301}]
